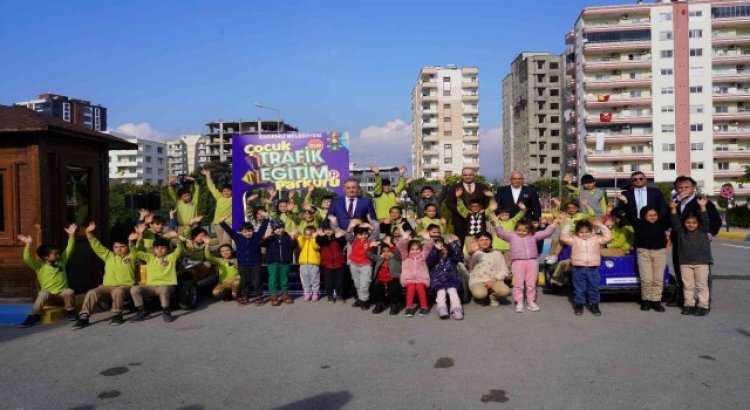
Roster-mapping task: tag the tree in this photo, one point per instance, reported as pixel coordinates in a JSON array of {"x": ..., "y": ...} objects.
[
  {"x": 666, "y": 191},
  {"x": 122, "y": 218}
]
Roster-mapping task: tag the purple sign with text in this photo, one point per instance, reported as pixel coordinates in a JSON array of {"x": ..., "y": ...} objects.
[{"x": 286, "y": 161}]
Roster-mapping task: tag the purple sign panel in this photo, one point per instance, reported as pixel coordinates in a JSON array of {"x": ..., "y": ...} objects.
[{"x": 286, "y": 161}]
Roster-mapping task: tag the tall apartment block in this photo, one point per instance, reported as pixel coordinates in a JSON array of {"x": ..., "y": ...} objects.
[
  {"x": 533, "y": 116},
  {"x": 146, "y": 165},
  {"x": 187, "y": 154},
  {"x": 70, "y": 110},
  {"x": 662, "y": 88},
  {"x": 219, "y": 137},
  {"x": 445, "y": 113}
]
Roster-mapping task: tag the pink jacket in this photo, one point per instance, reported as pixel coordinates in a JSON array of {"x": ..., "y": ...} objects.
[
  {"x": 414, "y": 268},
  {"x": 586, "y": 252},
  {"x": 524, "y": 248}
]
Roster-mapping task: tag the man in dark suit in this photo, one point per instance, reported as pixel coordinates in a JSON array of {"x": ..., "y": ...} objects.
[
  {"x": 509, "y": 196},
  {"x": 351, "y": 205},
  {"x": 472, "y": 190},
  {"x": 685, "y": 187},
  {"x": 640, "y": 196}
]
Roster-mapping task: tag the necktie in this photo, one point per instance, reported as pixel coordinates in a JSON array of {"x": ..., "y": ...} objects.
[
  {"x": 350, "y": 209},
  {"x": 641, "y": 201},
  {"x": 470, "y": 188}
]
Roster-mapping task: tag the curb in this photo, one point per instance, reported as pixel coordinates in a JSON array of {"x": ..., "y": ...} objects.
[{"x": 734, "y": 236}]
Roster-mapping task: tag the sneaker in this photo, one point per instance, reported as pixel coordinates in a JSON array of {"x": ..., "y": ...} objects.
[
  {"x": 287, "y": 299},
  {"x": 519, "y": 307},
  {"x": 116, "y": 320},
  {"x": 275, "y": 300},
  {"x": 410, "y": 311},
  {"x": 166, "y": 314},
  {"x": 442, "y": 312},
  {"x": 82, "y": 322},
  {"x": 493, "y": 300},
  {"x": 365, "y": 305},
  {"x": 357, "y": 303},
  {"x": 533, "y": 307},
  {"x": 242, "y": 301},
  {"x": 393, "y": 311},
  {"x": 687, "y": 310},
  {"x": 71, "y": 315},
  {"x": 578, "y": 310},
  {"x": 259, "y": 301},
  {"x": 331, "y": 299},
  {"x": 595, "y": 310},
  {"x": 314, "y": 297},
  {"x": 699, "y": 311},
  {"x": 645, "y": 305},
  {"x": 424, "y": 311},
  {"x": 31, "y": 320},
  {"x": 458, "y": 313},
  {"x": 657, "y": 306},
  {"x": 139, "y": 315},
  {"x": 379, "y": 308},
  {"x": 307, "y": 297},
  {"x": 550, "y": 260}
]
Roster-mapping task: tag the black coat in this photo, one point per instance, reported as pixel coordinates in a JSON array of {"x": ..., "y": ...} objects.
[
  {"x": 528, "y": 197},
  {"x": 451, "y": 202},
  {"x": 654, "y": 198},
  {"x": 714, "y": 219}
]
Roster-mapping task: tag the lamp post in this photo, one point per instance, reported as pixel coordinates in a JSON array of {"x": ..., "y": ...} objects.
[{"x": 278, "y": 115}]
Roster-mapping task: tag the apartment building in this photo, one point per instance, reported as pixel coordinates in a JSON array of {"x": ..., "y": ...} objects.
[
  {"x": 70, "y": 110},
  {"x": 445, "y": 114},
  {"x": 187, "y": 154},
  {"x": 533, "y": 116},
  {"x": 366, "y": 178},
  {"x": 219, "y": 137},
  {"x": 662, "y": 88},
  {"x": 146, "y": 165}
]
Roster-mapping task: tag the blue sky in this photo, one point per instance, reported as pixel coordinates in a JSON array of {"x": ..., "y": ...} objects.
[{"x": 166, "y": 68}]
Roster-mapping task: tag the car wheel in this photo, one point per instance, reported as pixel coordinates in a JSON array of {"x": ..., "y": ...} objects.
[{"x": 187, "y": 294}]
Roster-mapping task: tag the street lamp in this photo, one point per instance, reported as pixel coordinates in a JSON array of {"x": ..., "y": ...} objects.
[{"x": 278, "y": 116}]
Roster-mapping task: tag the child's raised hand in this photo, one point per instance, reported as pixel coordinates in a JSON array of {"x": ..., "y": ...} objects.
[
  {"x": 443, "y": 221},
  {"x": 26, "y": 239},
  {"x": 451, "y": 238},
  {"x": 252, "y": 197},
  {"x": 459, "y": 192},
  {"x": 622, "y": 198},
  {"x": 196, "y": 220},
  {"x": 555, "y": 202},
  {"x": 143, "y": 213},
  {"x": 172, "y": 234},
  {"x": 339, "y": 233},
  {"x": 140, "y": 228},
  {"x": 488, "y": 193},
  {"x": 172, "y": 179},
  {"x": 71, "y": 229},
  {"x": 568, "y": 178},
  {"x": 521, "y": 206},
  {"x": 310, "y": 188},
  {"x": 595, "y": 221},
  {"x": 673, "y": 207},
  {"x": 206, "y": 173},
  {"x": 409, "y": 181},
  {"x": 292, "y": 194},
  {"x": 401, "y": 170},
  {"x": 473, "y": 247},
  {"x": 374, "y": 169},
  {"x": 91, "y": 228},
  {"x": 189, "y": 178},
  {"x": 171, "y": 213}
]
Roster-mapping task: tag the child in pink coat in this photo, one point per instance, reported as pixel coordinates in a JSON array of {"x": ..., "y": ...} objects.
[
  {"x": 524, "y": 255},
  {"x": 586, "y": 258},
  {"x": 415, "y": 276}
]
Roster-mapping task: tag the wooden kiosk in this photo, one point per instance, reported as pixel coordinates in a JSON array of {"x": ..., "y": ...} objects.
[{"x": 51, "y": 173}]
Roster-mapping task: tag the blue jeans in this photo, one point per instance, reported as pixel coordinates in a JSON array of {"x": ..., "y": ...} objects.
[{"x": 586, "y": 283}]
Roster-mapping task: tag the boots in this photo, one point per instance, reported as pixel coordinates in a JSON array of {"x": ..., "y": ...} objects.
[
  {"x": 275, "y": 300},
  {"x": 287, "y": 299}
]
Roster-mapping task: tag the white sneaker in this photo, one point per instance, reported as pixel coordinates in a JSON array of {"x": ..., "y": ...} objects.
[
  {"x": 519, "y": 307},
  {"x": 550, "y": 260},
  {"x": 493, "y": 301},
  {"x": 533, "y": 307}
]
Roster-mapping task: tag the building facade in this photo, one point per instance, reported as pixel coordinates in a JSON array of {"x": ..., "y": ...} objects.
[
  {"x": 187, "y": 154},
  {"x": 366, "y": 178},
  {"x": 662, "y": 88},
  {"x": 146, "y": 165},
  {"x": 533, "y": 116},
  {"x": 70, "y": 110},
  {"x": 219, "y": 137},
  {"x": 445, "y": 114}
]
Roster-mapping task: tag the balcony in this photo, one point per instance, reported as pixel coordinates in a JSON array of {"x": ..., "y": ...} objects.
[
  {"x": 743, "y": 95},
  {"x": 617, "y": 83},
  {"x": 430, "y": 138},
  {"x": 471, "y": 124},
  {"x": 619, "y": 139},
  {"x": 730, "y": 22},
  {"x": 471, "y": 165},
  {"x": 730, "y": 77},
  {"x": 429, "y": 98},
  {"x": 470, "y": 84},
  {"x": 728, "y": 173},
  {"x": 471, "y": 110},
  {"x": 430, "y": 166},
  {"x": 429, "y": 84},
  {"x": 430, "y": 153},
  {"x": 597, "y": 120},
  {"x": 471, "y": 138},
  {"x": 619, "y": 102},
  {"x": 738, "y": 154},
  {"x": 429, "y": 124},
  {"x": 570, "y": 37},
  {"x": 591, "y": 66},
  {"x": 471, "y": 152},
  {"x": 730, "y": 59},
  {"x": 741, "y": 135},
  {"x": 469, "y": 98},
  {"x": 615, "y": 46},
  {"x": 608, "y": 156},
  {"x": 732, "y": 116},
  {"x": 730, "y": 40},
  {"x": 429, "y": 111},
  {"x": 469, "y": 71},
  {"x": 619, "y": 174}
]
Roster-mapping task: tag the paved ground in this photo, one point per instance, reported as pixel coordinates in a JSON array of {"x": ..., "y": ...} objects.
[{"x": 329, "y": 357}]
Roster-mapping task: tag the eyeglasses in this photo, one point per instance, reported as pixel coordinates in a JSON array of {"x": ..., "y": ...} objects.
[{"x": 638, "y": 178}]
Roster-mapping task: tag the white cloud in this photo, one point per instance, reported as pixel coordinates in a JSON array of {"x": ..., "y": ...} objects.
[
  {"x": 142, "y": 130},
  {"x": 491, "y": 152},
  {"x": 383, "y": 145}
]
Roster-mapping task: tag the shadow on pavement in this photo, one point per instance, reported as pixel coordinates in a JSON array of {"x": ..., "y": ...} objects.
[{"x": 329, "y": 401}]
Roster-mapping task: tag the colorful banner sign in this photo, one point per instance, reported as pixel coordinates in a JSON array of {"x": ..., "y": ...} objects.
[{"x": 287, "y": 162}]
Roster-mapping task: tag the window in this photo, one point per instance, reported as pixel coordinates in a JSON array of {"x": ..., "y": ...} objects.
[
  {"x": 148, "y": 148},
  {"x": 667, "y": 128},
  {"x": 721, "y": 127},
  {"x": 554, "y": 79},
  {"x": 668, "y": 147},
  {"x": 696, "y": 14},
  {"x": 447, "y": 133},
  {"x": 447, "y": 146},
  {"x": 667, "y": 90},
  {"x": 160, "y": 161},
  {"x": 668, "y": 166},
  {"x": 554, "y": 133},
  {"x": 555, "y": 147},
  {"x": 554, "y": 106},
  {"x": 636, "y": 149},
  {"x": 149, "y": 170},
  {"x": 721, "y": 109},
  {"x": 2, "y": 201},
  {"x": 697, "y": 109},
  {"x": 540, "y": 92},
  {"x": 695, "y": 33},
  {"x": 159, "y": 150},
  {"x": 665, "y": 35},
  {"x": 555, "y": 160},
  {"x": 696, "y": 146},
  {"x": 446, "y": 119},
  {"x": 540, "y": 78},
  {"x": 447, "y": 160},
  {"x": 667, "y": 108},
  {"x": 666, "y": 54},
  {"x": 446, "y": 106},
  {"x": 636, "y": 94},
  {"x": 77, "y": 191},
  {"x": 722, "y": 166},
  {"x": 665, "y": 17},
  {"x": 667, "y": 71},
  {"x": 553, "y": 119},
  {"x": 696, "y": 165},
  {"x": 696, "y": 71},
  {"x": 446, "y": 93},
  {"x": 696, "y": 52},
  {"x": 446, "y": 79},
  {"x": 696, "y": 127},
  {"x": 696, "y": 90},
  {"x": 554, "y": 93},
  {"x": 721, "y": 147}
]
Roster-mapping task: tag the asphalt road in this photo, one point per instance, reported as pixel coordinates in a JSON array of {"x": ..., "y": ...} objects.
[{"x": 316, "y": 355}]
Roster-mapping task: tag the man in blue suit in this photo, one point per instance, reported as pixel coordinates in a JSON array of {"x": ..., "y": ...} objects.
[{"x": 351, "y": 205}]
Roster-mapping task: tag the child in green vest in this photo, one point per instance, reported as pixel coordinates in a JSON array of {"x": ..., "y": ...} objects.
[
  {"x": 162, "y": 275},
  {"x": 223, "y": 209},
  {"x": 186, "y": 202},
  {"x": 229, "y": 275},
  {"x": 51, "y": 275},
  {"x": 386, "y": 197}
]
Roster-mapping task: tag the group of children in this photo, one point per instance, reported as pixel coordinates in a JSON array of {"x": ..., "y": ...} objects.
[{"x": 381, "y": 257}]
